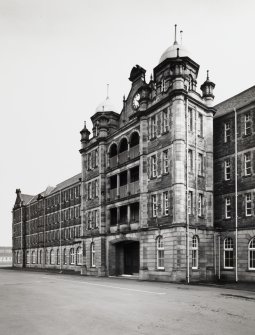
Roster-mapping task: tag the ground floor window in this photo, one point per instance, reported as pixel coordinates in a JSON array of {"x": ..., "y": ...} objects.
[
  {"x": 228, "y": 253},
  {"x": 93, "y": 254},
  {"x": 194, "y": 251},
  {"x": 40, "y": 257},
  {"x": 27, "y": 257},
  {"x": 72, "y": 261},
  {"x": 78, "y": 256},
  {"x": 160, "y": 253},
  {"x": 52, "y": 256},
  {"x": 252, "y": 254},
  {"x": 33, "y": 257},
  {"x": 65, "y": 256},
  {"x": 18, "y": 257},
  {"x": 46, "y": 256},
  {"x": 58, "y": 258}
]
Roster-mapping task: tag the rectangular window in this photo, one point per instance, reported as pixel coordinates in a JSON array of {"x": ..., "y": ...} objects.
[
  {"x": 227, "y": 169},
  {"x": 200, "y": 125},
  {"x": 200, "y": 204},
  {"x": 165, "y": 120},
  {"x": 97, "y": 188},
  {"x": 247, "y": 124},
  {"x": 200, "y": 164},
  {"x": 154, "y": 205},
  {"x": 165, "y": 161},
  {"x": 190, "y": 202},
  {"x": 89, "y": 191},
  {"x": 96, "y": 218},
  {"x": 248, "y": 204},
  {"x": 89, "y": 220},
  {"x": 247, "y": 164},
  {"x": 153, "y": 126},
  {"x": 227, "y": 208},
  {"x": 226, "y": 132},
  {"x": 165, "y": 203},
  {"x": 153, "y": 166},
  {"x": 96, "y": 159},
  {"x": 190, "y": 119},
  {"x": 190, "y": 160}
]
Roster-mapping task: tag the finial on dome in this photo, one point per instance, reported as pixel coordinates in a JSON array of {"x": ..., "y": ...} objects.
[
  {"x": 175, "y": 28},
  {"x": 177, "y": 52},
  {"x": 207, "y": 78},
  {"x": 124, "y": 98},
  {"x": 85, "y": 126},
  {"x": 181, "y": 31},
  {"x": 107, "y": 97}
]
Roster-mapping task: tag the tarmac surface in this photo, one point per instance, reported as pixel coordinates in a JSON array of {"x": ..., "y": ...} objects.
[{"x": 45, "y": 303}]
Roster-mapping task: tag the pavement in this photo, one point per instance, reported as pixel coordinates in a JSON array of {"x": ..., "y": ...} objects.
[{"x": 50, "y": 303}]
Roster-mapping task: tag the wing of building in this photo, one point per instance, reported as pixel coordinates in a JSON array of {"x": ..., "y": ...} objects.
[{"x": 147, "y": 190}]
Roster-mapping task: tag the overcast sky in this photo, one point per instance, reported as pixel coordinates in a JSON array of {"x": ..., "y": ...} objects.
[{"x": 57, "y": 56}]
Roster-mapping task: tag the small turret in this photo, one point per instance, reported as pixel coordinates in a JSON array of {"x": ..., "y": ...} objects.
[
  {"x": 84, "y": 135},
  {"x": 207, "y": 91}
]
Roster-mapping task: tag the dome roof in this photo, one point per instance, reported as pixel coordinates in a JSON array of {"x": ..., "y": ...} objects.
[
  {"x": 171, "y": 52},
  {"x": 106, "y": 106}
]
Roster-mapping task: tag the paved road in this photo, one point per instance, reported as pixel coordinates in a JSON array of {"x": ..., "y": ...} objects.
[{"x": 39, "y": 303}]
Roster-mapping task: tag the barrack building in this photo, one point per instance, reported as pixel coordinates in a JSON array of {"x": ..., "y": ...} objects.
[{"x": 157, "y": 192}]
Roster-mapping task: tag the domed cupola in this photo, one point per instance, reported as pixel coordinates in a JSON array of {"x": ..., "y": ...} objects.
[
  {"x": 106, "y": 106},
  {"x": 171, "y": 52}
]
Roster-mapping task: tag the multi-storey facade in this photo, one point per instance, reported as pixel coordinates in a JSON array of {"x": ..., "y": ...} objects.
[
  {"x": 158, "y": 190},
  {"x": 47, "y": 227},
  {"x": 234, "y": 186},
  {"x": 147, "y": 192}
]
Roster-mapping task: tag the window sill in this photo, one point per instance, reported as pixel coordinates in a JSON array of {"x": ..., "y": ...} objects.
[
  {"x": 200, "y": 136},
  {"x": 165, "y": 173},
  {"x": 160, "y": 270},
  {"x": 227, "y": 269}
]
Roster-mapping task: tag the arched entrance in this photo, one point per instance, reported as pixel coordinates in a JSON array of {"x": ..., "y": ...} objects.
[{"x": 127, "y": 258}]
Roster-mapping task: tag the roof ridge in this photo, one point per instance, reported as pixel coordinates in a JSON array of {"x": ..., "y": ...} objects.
[{"x": 234, "y": 96}]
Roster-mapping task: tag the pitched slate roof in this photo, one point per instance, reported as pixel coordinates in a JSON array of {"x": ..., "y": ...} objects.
[
  {"x": 50, "y": 189},
  {"x": 237, "y": 101}
]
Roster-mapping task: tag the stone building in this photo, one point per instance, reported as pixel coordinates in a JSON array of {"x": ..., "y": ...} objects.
[
  {"x": 47, "y": 228},
  {"x": 156, "y": 196},
  {"x": 147, "y": 190},
  {"x": 234, "y": 186}
]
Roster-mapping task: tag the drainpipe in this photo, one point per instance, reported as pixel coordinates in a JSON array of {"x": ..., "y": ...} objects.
[
  {"x": 187, "y": 194},
  {"x": 236, "y": 198},
  {"x": 219, "y": 255},
  {"x": 60, "y": 232}
]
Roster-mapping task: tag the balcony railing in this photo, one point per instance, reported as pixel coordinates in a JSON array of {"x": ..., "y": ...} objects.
[
  {"x": 113, "y": 162},
  {"x": 123, "y": 191},
  {"x": 113, "y": 194},
  {"x": 123, "y": 157},
  {"x": 134, "y": 151},
  {"x": 134, "y": 187}
]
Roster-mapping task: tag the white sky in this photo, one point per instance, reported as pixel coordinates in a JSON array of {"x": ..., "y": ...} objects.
[{"x": 56, "y": 57}]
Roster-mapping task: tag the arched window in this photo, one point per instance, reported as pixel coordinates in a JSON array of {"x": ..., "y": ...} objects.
[
  {"x": 46, "y": 256},
  {"x": 18, "y": 257},
  {"x": 40, "y": 257},
  {"x": 228, "y": 253},
  {"x": 194, "y": 251},
  {"x": 33, "y": 257},
  {"x": 134, "y": 145},
  {"x": 52, "y": 256},
  {"x": 160, "y": 253},
  {"x": 58, "y": 257},
  {"x": 113, "y": 150},
  {"x": 78, "y": 256},
  {"x": 27, "y": 257},
  {"x": 134, "y": 139},
  {"x": 123, "y": 145},
  {"x": 65, "y": 256},
  {"x": 71, "y": 260},
  {"x": 251, "y": 255},
  {"x": 92, "y": 255}
]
